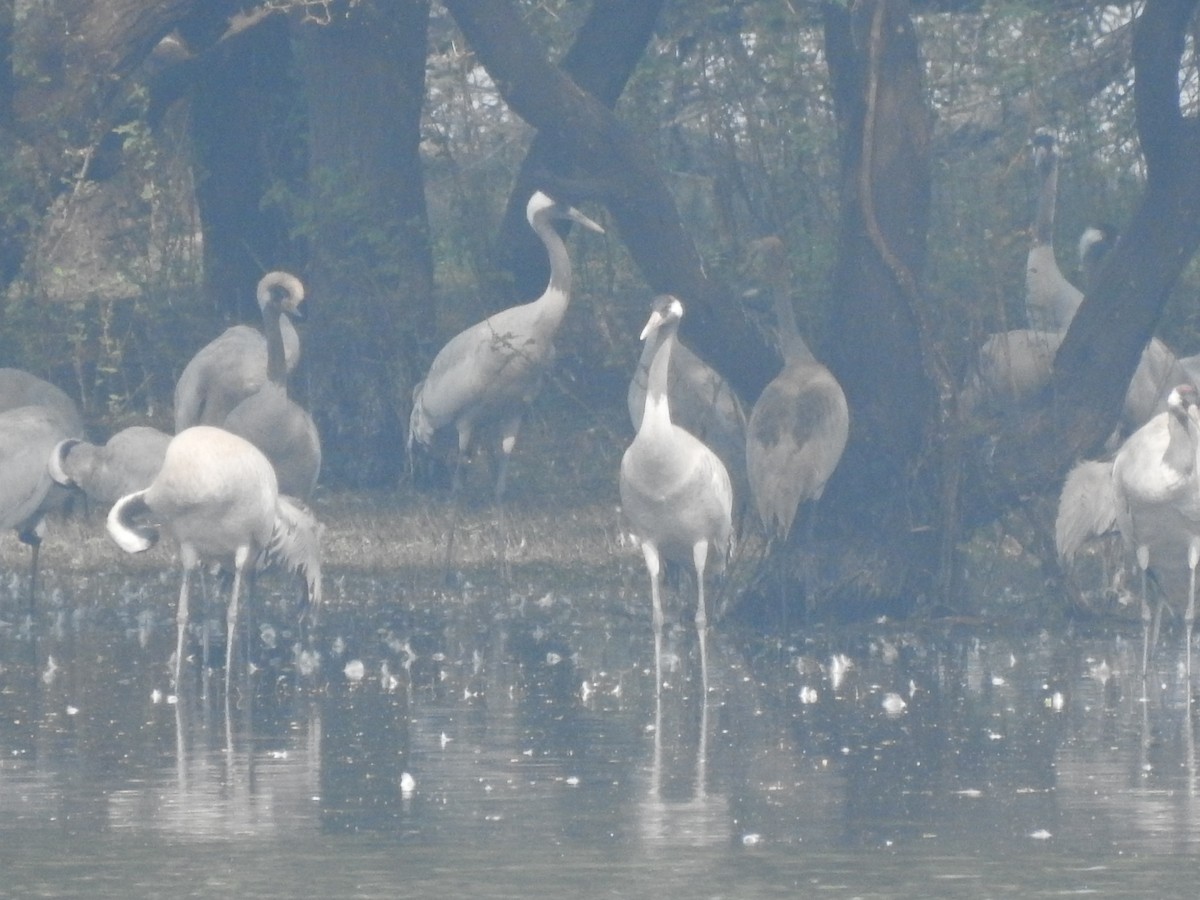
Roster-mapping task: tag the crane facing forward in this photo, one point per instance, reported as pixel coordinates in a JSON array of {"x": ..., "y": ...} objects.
[
  {"x": 675, "y": 491},
  {"x": 232, "y": 366},
  {"x": 216, "y": 494},
  {"x": 271, "y": 420},
  {"x": 490, "y": 372}
]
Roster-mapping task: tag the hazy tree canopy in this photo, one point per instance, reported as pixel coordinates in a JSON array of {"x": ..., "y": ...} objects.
[{"x": 161, "y": 154}]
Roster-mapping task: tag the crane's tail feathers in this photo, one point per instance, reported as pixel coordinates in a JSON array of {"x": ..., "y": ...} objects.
[
  {"x": 58, "y": 458},
  {"x": 129, "y": 534},
  {"x": 1087, "y": 507},
  {"x": 295, "y": 545}
]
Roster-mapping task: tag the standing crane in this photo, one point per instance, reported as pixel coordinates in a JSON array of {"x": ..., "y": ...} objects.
[
  {"x": 233, "y": 365},
  {"x": 1152, "y": 496},
  {"x": 34, "y": 416},
  {"x": 271, "y": 420},
  {"x": 489, "y": 373},
  {"x": 800, "y": 423},
  {"x": 217, "y": 495},
  {"x": 675, "y": 491}
]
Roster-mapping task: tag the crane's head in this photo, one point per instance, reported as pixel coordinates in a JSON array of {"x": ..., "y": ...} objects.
[
  {"x": 1183, "y": 399},
  {"x": 1044, "y": 152},
  {"x": 542, "y": 207},
  {"x": 284, "y": 289},
  {"x": 667, "y": 310}
]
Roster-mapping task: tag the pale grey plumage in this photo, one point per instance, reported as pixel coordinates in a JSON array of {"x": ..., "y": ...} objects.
[
  {"x": 34, "y": 416},
  {"x": 702, "y": 402},
  {"x": 1150, "y": 493},
  {"x": 233, "y": 365},
  {"x": 20, "y": 388},
  {"x": 489, "y": 373},
  {"x": 217, "y": 495},
  {"x": 270, "y": 419},
  {"x": 675, "y": 492},
  {"x": 800, "y": 423},
  {"x": 127, "y": 462}
]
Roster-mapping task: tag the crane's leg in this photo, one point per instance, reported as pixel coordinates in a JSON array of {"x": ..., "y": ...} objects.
[
  {"x": 1189, "y": 615},
  {"x": 654, "y": 566},
  {"x": 509, "y": 430},
  {"x": 1143, "y": 561},
  {"x": 181, "y": 620},
  {"x": 700, "y": 558},
  {"x": 33, "y": 537},
  {"x": 231, "y": 616},
  {"x": 456, "y": 484}
]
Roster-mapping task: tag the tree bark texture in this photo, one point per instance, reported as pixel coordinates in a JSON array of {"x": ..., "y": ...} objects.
[
  {"x": 371, "y": 275},
  {"x": 618, "y": 168},
  {"x": 882, "y": 501},
  {"x": 602, "y": 57}
]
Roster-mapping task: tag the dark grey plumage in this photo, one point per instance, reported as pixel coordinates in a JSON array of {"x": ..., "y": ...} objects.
[
  {"x": 489, "y": 373},
  {"x": 675, "y": 492},
  {"x": 127, "y": 462},
  {"x": 217, "y": 495},
  {"x": 274, "y": 422},
  {"x": 800, "y": 423},
  {"x": 233, "y": 365}
]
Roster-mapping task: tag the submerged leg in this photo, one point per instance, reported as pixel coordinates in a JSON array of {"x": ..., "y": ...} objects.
[
  {"x": 231, "y": 617},
  {"x": 700, "y": 559},
  {"x": 1189, "y": 614},
  {"x": 181, "y": 620},
  {"x": 654, "y": 566},
  {"x": 508, "y": 440},
  {"x": 1143, "y": 561}
]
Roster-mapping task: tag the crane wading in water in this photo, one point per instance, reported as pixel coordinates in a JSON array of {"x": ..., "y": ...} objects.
[{"x": 675, "y": 491}]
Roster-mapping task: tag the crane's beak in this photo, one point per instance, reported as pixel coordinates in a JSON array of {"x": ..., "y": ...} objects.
[
  {"x": 656, "y": 319},
  {"x": 576, "y": 216}
]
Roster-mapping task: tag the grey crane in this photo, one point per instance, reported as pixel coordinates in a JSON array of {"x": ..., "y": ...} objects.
[
  {"x": 1050, "y": 299},
  {"x": 217, "y": 496},
  {"x": 1152, "y": 497},
  {"x": 233, "y": 365},
  {"x": 675, "y": 492},
  {"x": 489, "y": 373},
  {"x": 21, "y": 388},
  {"x": 27, "y": 493},
  {"x": 271, "y": 420},
  {"x": 127, "y": 462},
  {"x": 800, "y": 423}
]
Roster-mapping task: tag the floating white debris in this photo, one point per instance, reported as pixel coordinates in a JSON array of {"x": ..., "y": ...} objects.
[
  {"x": 839, "y": 665},
  {"x": 1055, "y": 701},
  {"x": 156, "y": 696},
  {"x": 72, "y": 710},
  {"x": 307, "y": 662},
  {"x": 998, "y": 680},
  {"x": 268, "y": 635},
  {"x": 172, "y": 699},
  {"x": 355, "y": 670},
  {"x": 572, "y": 780},
  {"x": 585, "y": 691},
  {"x": 1040, "y": 835},
  {"x": 753, "y": 839},
  {"x": 338, "y": 647},
  {"x": 893, "y": 704},
  {"x": 808, "y": 694},
  {"x": 970, "y": 792},
  {"x": 407, "y": 783},
  {"x": 553, "y": 659},
  {"x": 51, "y": 670},
  {"x": 445, "y": 739}
]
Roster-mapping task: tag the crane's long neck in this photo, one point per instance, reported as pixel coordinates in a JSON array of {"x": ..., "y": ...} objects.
[
  {"x": 557, "y": 295},
  {"x": 1181, "y": 451},
  {"x": 657, "y": 414},
  {"x": 276, "y": 358},
  {"x": 1043, "y": 223},
  {"x": 791, "y": 345}
]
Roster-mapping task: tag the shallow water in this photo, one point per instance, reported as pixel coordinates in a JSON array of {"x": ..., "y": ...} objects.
[{"x": 508, "y": 742}]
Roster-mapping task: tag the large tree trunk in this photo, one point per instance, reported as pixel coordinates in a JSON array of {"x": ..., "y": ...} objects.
[
  {"x": 881, "y": 515},
  {"x": 372, "y": 267},
  {"x": 246, "y": 140},
  {"x": 617, "y": 167},
  {"x": 604, "y": 54}
]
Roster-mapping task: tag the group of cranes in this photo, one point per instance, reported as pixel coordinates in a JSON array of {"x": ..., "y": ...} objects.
[
  {"x": 1149, "y": 490},
  {"x": 221, "y": 492}
]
